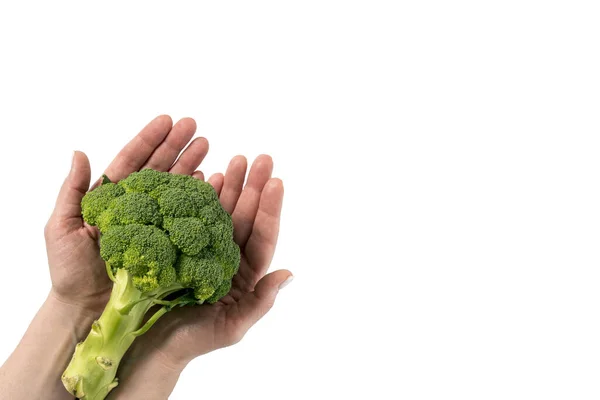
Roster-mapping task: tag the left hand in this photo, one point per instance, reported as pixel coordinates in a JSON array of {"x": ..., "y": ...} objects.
[{"x": 77, "y": 271}]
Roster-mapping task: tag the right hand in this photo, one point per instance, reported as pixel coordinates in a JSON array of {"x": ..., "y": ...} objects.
[{"x": 152, "y": 366}]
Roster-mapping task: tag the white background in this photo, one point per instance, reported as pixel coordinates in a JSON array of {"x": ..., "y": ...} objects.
[{"x": 442, "y": 209}]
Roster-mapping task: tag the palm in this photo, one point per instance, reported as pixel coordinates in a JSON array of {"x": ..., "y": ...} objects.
[
  {"x": 86, "y": 283},
  {"x": 78, "y": 273},
  {"x": 188, "y": 332}
]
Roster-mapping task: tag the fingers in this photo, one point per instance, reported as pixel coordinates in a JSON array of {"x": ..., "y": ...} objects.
[
  {"x": 166, "y": 153},
  {"x": 68, "y": 204},
  {"x": 216, "y": 181},
  {"x": 191, "y": 157},
  {"x": 261, "y": 244},
  {"x": 139, "y": 149},
  {"x": 233, "y": 183},
  {"x": 247, "y": 205},
  {"x": 254, "y": 305}
]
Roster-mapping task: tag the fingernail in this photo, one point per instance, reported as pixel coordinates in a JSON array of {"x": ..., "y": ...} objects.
[
  {"x": 72, "y": 161},
  {"x": 286, "y": 282}
]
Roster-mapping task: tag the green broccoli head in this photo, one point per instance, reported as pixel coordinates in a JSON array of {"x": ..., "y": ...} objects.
[{"x": 166, "y": 231}]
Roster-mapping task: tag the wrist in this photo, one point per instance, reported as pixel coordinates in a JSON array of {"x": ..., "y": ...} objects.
[
  {"x": 72, "y": 317},
  {"x": 87, "y": 306},
  {"x": 44, "y": 351}
]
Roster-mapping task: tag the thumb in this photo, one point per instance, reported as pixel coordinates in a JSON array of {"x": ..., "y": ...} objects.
[
  {"x": 68, "y": 204},
  {"x": 254, "y": 305}
]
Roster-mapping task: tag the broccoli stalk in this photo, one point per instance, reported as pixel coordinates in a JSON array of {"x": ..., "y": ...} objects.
[
  {"x": 92, "y": 372},
  {"x": 167, "y": 242}
]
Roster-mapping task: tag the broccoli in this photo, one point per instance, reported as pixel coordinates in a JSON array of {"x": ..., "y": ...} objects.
[{"x": 166, "y": 242}]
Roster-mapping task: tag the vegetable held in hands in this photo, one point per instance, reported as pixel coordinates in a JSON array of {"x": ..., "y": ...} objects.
[{"x": 166, "y": 241}]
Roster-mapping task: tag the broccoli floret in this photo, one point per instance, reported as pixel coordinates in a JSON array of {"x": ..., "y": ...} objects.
[
  {"x": 166, "y": 241},
  {"x": 97, "y": 201},
  {"x": 130, "y": 208},
  {"x": 144, "y": 251},
  {"x": 178, "y": 203},
  {"x": 194, "y": 187},
  {"x": 144, "y": 181},
  {"x": 228, "y": 254},
  {"x": 190, "y": 235},
  {"x": 204, "y": 274},
  {"x": 221, "y": 291}
]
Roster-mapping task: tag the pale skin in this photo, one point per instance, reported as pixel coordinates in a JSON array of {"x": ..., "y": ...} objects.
[{"x": 80, "y": 287}]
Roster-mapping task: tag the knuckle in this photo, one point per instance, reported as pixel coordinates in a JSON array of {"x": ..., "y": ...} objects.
[
  {"x": 236, "y": 336},
  {"x": 268, "y": 306},
  {"x": 48, "y": 228}
]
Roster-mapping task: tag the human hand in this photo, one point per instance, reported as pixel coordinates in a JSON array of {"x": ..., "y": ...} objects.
[
  {"x": 80, "y": 286},
  {"x": 77, "y": 271},
  {"x": 151, "y": 367}
]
